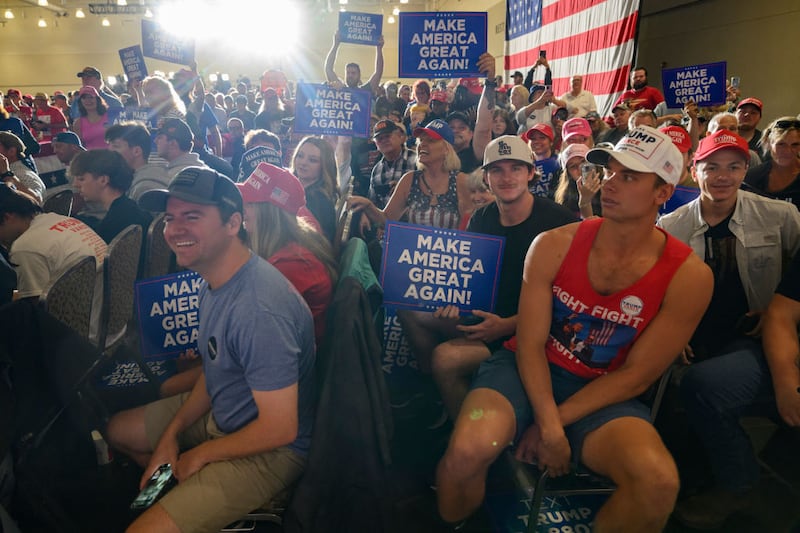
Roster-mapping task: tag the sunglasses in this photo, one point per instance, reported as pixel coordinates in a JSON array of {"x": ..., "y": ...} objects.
[{"x": 786, "y": 124}]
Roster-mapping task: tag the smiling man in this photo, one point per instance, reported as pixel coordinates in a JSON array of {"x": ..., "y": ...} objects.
[
  {"x": 396, "y": 159},
  {"x": 242, "y": 434},
  {"x": 745, "y": 239},
  {"x": 557, "y": 392}
]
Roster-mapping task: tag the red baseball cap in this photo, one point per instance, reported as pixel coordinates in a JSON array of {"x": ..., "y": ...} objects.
[
  {"x": 680, "y": 137},
  {"x": 752, "y": 101},
  {"x": 544, "y": 129},
  {"x": 473, "y": 85},
  {"x": 576, "y": 126},
  {"x": 720, "y": 140},
  {"x": 275, "y": 185}
]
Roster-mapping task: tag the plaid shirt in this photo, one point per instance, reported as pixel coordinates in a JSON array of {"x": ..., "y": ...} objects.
[{"x": 389, "y": 172}]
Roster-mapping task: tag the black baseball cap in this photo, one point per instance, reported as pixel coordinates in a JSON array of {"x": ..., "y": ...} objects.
[
  {"x": 386, "y": 126},
  {"x": 195, "y": 185}
]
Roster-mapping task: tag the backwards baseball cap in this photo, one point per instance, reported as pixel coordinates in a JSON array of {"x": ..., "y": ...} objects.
[
  {"x": 621, "y": 105},
  {"x": 573, "y": 150},
  {"x": 273, "y": 185},
  {"x": 643, "y": 149},
  {"x": 575, "y": 126},
  {"x": 751, "y": 101},
  {"x": 719, "y": 140},
  {"x": 68, "y": 137},
  {"x": 507, "y": 148},
  {"x": 592, "y": 115},
  {"x": 679, "y": 136},
  {"x": 438, "y": 129},
  {"x": 91, "y": 72},
  {"x": 177, "y": 129},
  {"x": 195, "y": 185},
  {"x": 544, "y": 129},
  {"x": 386, "y": 126}
]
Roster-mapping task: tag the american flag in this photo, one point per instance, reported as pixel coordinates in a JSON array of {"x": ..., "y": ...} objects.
[{"x": 594, "y": 38}]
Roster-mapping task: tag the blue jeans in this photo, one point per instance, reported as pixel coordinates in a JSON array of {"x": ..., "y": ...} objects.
[{"x": 716, "y": 393}]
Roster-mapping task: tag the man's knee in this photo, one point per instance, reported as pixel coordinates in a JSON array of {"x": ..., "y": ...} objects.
[
  {"x": 453, "y": 359},
  {"x": 126, "y": 430}
]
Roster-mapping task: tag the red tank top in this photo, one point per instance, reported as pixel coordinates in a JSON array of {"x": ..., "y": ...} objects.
[{"x": 590, "y": 333}]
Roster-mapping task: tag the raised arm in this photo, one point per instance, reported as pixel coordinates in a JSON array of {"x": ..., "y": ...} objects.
[
  {"x": 375, "y": 79},
  {"x": 483, "y": 123},
  {"x": 330, "y": 59}
]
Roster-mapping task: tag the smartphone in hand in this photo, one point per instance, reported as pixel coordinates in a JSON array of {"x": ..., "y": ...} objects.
[{"x": 159, "y": 484}]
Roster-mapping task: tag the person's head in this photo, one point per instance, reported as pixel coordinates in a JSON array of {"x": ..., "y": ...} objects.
[
  {"x": 479, "y": 192},
  {"x": 418, "y": 113},
  {"x": 438, "y": 102},
  {"x": 204, "y": 217},
  {"x": 41, "y": 101},
  {"x": 781, "y": 139},
  {"x": 638, "y": 78},
  {"x": 621, "y": 114},
  {"x": 435, "y": 146},
  {"x": 17, "y": 210},
  {"x": 14, "y": 95},
  {"x": 723, "y": 121},
  {"x": 540, "y": 140},
  {"x": 576, "y": 83},
  {"x": 11, "y": 146},
  {"x": 241, "y": 102},
  {"x": 173, "y": 139},
  {"x": 720, "y": 165},
  {"x": 60, "y": 101},
  {"x": 314, "y": 161},
  {"x": 132, "y": 141},
  {"x": 571, "y": 158},
  {"x": 641, "y": 172},
  {"x": 89, "y": 100},
  {"x": 389, "y": 137},
  {"x": 536, "y": 92},
  {"x": 352, "y": 75},
  {"x": 508, "y": 169},
  {"x": 558, "y": 118},
  {"x": 261, "y": 137},
  {"x": 576, "y": 131},
  {"x": 461, "y": 128},
  {"x": 100, "y": 174},
  {"x": 748, "y": 111},
  {"x": 236, "y": 128},
  {"x": 501, "y": 123},
  {"x": 242, "y": 87},
  {"x": 422, "y": 91},
  {"x": 683, "y": 142},
  {"x": 641, "y": 117},
  {"x": 390, "y": 87},
  {"x": 91, "y": 77},
  {"x": 66, "y": 145},
  {"x": 160, "y": 95},
  {"x": 516, "y": 78},
  {"x": 595, "y": 122},
  {"x": 404, "y": 93}
]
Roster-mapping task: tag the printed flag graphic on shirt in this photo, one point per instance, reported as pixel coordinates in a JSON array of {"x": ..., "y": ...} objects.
[{"x": 588, "y": 37}]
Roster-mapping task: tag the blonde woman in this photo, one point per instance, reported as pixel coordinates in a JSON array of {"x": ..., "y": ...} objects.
[{"x": 779, "y": 176}]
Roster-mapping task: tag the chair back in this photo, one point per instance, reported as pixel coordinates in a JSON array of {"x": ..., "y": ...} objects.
[
  {"x": 60, "y": 203},
  {"x": 69, "y": 297},
  {"x": 158, "y": 256},
  {"x": 119, "y": 275}
]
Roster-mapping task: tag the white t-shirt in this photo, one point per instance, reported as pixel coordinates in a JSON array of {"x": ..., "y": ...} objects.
[
  {"x": 579, "y": 105},
  {"x": 51, "y": 245}
]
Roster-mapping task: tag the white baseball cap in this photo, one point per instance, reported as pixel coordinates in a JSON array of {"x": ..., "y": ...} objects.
[
  {"x": 644, "y": 149},
  {"x": 507, "y": 148}
]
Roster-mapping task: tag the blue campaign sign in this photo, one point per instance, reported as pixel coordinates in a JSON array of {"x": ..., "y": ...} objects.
[
  {"x": 160, "y": 44},
  {"x": 425, "y": 268},
  {"x": 682, "y": 195},
  {"x": 167, "y": 308},
  {"x": 360, "y": 28},
  {"x": 703, "y": 84},
  {"x": 509, "y": 512},
  {"x": 133, "y": 62},
  {"x": 323, "y": 110},
  {"x": 441, "y": 45}
]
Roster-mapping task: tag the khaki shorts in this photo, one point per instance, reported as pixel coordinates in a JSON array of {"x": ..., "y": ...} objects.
[{"x": 223, "y": 491}]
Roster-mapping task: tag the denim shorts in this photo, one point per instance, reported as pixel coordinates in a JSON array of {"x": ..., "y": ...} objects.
[{"x": 499, "y": 373}]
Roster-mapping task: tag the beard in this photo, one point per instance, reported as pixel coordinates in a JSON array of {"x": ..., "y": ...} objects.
[{"x": 639, "y": 85}]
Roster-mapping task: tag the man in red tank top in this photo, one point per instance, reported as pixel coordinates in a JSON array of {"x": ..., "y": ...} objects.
[{"x": 606, "y": 306}]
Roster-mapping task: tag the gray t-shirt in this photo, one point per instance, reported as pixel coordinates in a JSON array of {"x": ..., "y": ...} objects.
[{"x": 256, "y": 333}]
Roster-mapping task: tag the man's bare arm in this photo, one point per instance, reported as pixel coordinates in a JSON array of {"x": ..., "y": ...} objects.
[
  {"x": 330, "y": 59},
  {"x": 483, "y": 123},
  {"x": 656, "y": 348},
  {"x": 375, "y": 79},
  {"x": 782, "y": 350}
]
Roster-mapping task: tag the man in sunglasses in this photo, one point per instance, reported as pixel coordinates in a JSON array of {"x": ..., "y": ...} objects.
[{"x": 745, "y": 239}]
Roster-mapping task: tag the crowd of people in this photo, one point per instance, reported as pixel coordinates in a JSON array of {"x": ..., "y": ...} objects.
[{"x": 594, "y": 301}]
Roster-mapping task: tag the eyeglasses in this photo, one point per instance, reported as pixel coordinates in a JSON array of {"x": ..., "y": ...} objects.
[{"x": 786, "y": 124}]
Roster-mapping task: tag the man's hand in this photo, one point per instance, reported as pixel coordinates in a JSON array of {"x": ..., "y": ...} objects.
[
  {"x": 552, "y": 455},
  {"x": 687, "y": 355},
  {"x": 381, "y": 42},
  {"x": 691, "y": 109},
  {"x": 789, "y": 406},
  {"x": 5, "y": 166},
  {"x": 188, "y": 463},
  {"x": 166, "y": 452},
  {"x": 337, "y": 39},
  {"x": 448, "y": 312},
  {"x": 486, "y": 65},
  {"x": 493, "y": 327}
]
